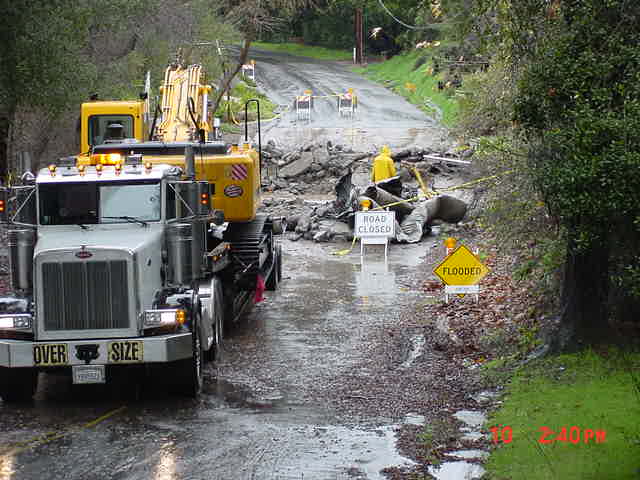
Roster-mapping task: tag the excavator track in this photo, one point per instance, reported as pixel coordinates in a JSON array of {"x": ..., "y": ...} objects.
[{"x": 250, "y": 248}]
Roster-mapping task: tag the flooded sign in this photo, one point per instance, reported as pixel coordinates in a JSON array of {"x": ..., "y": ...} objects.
[
  {"x": 462, "y": 267},
  {"x": 375, "y": 224}
]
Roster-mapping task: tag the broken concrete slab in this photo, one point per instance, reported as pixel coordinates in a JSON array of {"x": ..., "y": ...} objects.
[
  {"x": 298, "y": 167},
  {"x": 303, "y": 224},
  {"x": 321, "y": 156},
  {"x": 322, "y": 236}
]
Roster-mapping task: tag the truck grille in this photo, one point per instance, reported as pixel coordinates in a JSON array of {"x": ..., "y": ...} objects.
[{"x": 85, "y": 295}]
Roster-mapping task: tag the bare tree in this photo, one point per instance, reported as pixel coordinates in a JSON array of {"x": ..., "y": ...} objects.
[{"x": 252, "y": 17}]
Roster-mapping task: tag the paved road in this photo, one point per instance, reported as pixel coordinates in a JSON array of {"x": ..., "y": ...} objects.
[
  {"x": 271, "y": 407},
  {"x": 263, "y": 413},
  {"x": 381, "y": 117}
]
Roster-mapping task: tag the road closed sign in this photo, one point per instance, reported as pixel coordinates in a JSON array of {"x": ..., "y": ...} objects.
[
  {"x": 462, "y": 267},
  {"x": 375, "y": 224}
]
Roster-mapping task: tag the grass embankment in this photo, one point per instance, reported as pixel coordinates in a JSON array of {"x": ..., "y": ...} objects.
[
  {"x": 319, "y": 53},
  {"x": 241, "y": 92},
  {"x": 589, "y": 390},
  {"x": 411, "y": 75}
]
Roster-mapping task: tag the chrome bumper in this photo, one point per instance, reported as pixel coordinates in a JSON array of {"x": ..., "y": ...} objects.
[{"x": 163, "y": 348}]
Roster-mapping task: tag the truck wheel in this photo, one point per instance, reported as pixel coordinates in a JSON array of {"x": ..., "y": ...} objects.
[
  {"x": 18, "y": 384},
  {"x": 217, "y": 301},
  {"x": 279, "y": 252},
  {"x": 216, "y": 348},
  {"x": 188, "y": 375}
]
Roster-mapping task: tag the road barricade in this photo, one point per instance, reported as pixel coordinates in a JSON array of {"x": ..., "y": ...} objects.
[
  {"x": 304, "y": 105},
  {"x": 249, "y": 71},
  {"x": 347, "y": 103}
]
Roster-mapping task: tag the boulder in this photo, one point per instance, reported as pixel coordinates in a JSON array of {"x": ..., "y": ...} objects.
[
  {"x": 280, "y": 183},
  {"x": 297, "y": 167},
  {"x": 401, "y": 154},
  {"x": 303, "y": 224},
  {"x": 339, "y": 229},
  {"x": 405, "y": 175},
  {"x": 322, "y": 236},
  {"x": 346, "y": 159},
  {"x": 321, "y": 156},
  {"x": 451, "y": 209}
]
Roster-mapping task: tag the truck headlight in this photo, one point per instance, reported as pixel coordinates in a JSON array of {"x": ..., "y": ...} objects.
[
  {"x": 16, "y": 322},
  {"x": 160, "y": 318}
]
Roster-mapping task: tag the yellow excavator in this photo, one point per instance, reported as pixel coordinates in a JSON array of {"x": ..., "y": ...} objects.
[{"x": 112, "y": 131}]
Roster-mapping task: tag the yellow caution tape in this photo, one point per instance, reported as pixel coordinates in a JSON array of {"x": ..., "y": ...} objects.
[
  {"x": 473, "y": 182},
  {"x": 233, "y": 119},
  {"x": 447, "y": 189},
  {"x": 346, "y": 251},
  {"x": 424, "y": 188}
]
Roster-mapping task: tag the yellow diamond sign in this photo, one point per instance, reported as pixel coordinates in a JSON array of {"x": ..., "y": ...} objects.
[{"x": 461, "y": 268}]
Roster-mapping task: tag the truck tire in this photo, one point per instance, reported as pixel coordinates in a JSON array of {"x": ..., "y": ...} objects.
[
  {"x": 280, "y": 260},
  {"x": 219, "y": 310},
  {"x": 18, "y": 384},
  {"x": 188, "y": 374},
  {"x": 276, "y": 272}
]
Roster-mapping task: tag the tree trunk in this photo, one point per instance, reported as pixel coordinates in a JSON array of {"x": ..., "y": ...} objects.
[
  {"x": 4, "y": 143},
  {"x": 585, "y": 312},
  {"x": 7, "y": 117},
  {"x": 229, "y": 76}
]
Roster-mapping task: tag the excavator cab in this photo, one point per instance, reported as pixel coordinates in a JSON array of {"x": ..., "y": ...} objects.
[{"x": 96, "y": 118}]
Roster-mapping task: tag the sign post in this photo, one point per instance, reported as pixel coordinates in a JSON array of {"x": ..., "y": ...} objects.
[
  {"x": 461, "y": 271},
  {"x": 374, "y": 228}
]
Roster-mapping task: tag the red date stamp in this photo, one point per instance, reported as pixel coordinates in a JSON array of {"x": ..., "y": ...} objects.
[{"x": 574, "y": 434}]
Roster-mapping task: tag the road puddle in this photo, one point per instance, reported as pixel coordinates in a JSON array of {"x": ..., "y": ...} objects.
[
  {"x": 353, "y": 453},
  {"x": 457, "y": 471},
  {"x": 462, "y": 469},
  {"x": 375, "y": 279}
]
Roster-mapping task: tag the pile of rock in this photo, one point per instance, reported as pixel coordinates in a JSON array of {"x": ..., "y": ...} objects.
[
  {"x": 324, "y": 168},
  {"x": 313, "y": 168}
]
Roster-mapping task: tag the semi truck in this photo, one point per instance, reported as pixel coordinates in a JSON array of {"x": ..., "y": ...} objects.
[{"x": 136, "y": 252}]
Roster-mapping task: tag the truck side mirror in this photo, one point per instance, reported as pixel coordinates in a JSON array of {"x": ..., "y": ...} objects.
[{"x": 4, "y": 205}]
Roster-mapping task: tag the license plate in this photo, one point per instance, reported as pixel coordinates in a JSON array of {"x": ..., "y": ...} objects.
[
  {"x": 129, "y": 351},
  {"x": 50, "y": 354},
  {"x": 88, "y": 374}
]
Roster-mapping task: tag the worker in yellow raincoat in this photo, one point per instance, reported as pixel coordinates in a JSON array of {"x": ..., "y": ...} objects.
[{"x": 383, "y": 166}]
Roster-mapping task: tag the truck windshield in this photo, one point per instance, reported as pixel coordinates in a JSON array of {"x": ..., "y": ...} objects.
[
  {"x": 98, "y": 202},
  {"x": 99, "y": 130}
]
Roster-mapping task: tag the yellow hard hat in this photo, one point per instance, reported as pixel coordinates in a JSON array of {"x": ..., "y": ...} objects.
[{"x": 385, "y": 150}]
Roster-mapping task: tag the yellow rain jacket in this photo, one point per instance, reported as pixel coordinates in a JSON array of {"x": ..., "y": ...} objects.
[{"x": 383, "y": 166}]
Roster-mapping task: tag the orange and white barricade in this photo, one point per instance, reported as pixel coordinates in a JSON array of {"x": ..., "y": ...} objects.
[
  {"x": 347, "y": 103},
  {"x": 249, "y": 71},
  {"x": 304, "y": 104}
]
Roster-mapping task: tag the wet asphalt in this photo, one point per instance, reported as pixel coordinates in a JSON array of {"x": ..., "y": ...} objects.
[
  {"x": 264, "y": 412},
  {"x": 381, "y": 117}
]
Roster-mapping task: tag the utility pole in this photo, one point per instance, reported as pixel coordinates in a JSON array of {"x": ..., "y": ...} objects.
[{"x": 359, "y": 34}]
